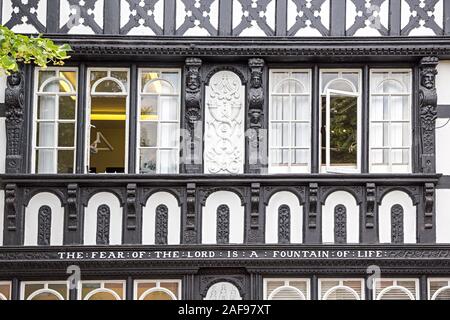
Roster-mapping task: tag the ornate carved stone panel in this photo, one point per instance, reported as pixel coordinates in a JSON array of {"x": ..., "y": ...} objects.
[
  {"x": 142, "y": 17},
  {"x": 82, "y": 16},
  {"x": 284, "y": 225},
  {"x": 368, "y": 17},
  {"x": 397, "y": 226},
  {"x": 422, "y": 17},
  {"x": 14, "y": 101},
  {"x": 340, "y": 224},
  {"x": 25, "y": 16},
  {"x": 44, "y": 225},
  {"x": 197, "y": 17},
  {"x": 428, "y": 112},
  {"x": 224, "y": 119},
  {"x": 257, "y": 17},
  {"x": 161, "y": 225},
  {"x": 223, "y": 225},
  {"x": 103, "y": 224},
  {"x": 308, "y": 17}
]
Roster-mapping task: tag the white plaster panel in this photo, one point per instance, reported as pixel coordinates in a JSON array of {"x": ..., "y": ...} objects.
[
  {"x": 211, "y": 15},
  {"x": 209, "y": 217},
  {"x": 25, "y": 26},
  {"x": 409, "y": 214},
  {"x": 32, "y": 214},
  {"x": 442, "y": 216},
  {"x": 2, "y": 214},
  {"x": 90, "y": 218},
  {"x": 78, "y": 24},
  {"x": 309, "y": 31},
  {"x": 149, "y": 216},
  {"x": 349, "y": 201},
  {"x": 379, "y": 16},
  {"x": 442, "y": 147},
  {"x": 277, "y": 200},
  {"x": 442, "y": 81},
  {"x": 125, "y": 14},
  {"x": 421, "y": 30},
  {"x": 2, "y": 144},
  {"x": 239, "y": 13}
]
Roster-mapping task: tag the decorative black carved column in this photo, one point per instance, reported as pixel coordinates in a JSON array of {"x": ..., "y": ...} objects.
[
  {"x": 369, "y": 225},
  {"x": 132, "y": 212},
  {"x": 428, "y": 113},
  {"x": 193, "y": 137},
  {"x": 313, "y": 215},
  {"x": 427, "y": 221},
  {"x": 13, "y": 233},
  {"x": 15, "y": 101},
  {"x": 190, "y": 220},
  {"x": 255, "y": 134},
  {"x": 73, "y": 233},
  {"x": 255, "y": 230}
]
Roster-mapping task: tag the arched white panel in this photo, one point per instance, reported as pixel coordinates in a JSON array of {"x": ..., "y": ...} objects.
[
  {"x": 209, "y": 217},
  {"x": 348, "y": 200},
  {"x": 32, "y": 215},
  {"x": 90, "y": 218},
  {"x": 277, "y": 200},
  {"x": 2, "y": 214},
  {"x": 409, "y": 214},
  {"x": 442, "y": 216},
  {"x": 149, "y": 216}
]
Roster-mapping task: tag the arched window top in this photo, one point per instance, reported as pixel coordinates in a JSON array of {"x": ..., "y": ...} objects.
[
  {"x": 158, "y": 294},
  {"x": 341, "y": 85},
  {"x": 290, "y": 86},
  {"x": 102, "y": 294},
  {"x": 341, "y": 293},
  {"x": 57, "y": 85},
  {"x": 442, "y": 294},
  {"x": 159, "y": 86},
  {"x": 287, "y": 293},
  {"x": 45, "y": 294},
  {"x": 395, "y": 293},
  {"x": 391, "y": 86},
  {"x": 2, "y": 297},
  {"x": 108, "y": 85}
]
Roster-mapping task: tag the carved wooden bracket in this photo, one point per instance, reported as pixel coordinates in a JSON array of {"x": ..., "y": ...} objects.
[
  {"x": 371, "y": 202},
  {"x": 14, "y": 101},
  {"x": 11, "y": 207},
  {"x": 72, "y": 207},
  {"x": 313, "y": 205},
  {"x": 131, "y": 215},
  {"x": 429, "y": 196},
  {"x": 190, "y": 232},
  {"x": 428, "y": 112},
  {"x": 255, "y": 234}
]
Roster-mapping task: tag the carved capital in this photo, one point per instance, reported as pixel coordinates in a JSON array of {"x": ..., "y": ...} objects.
[
  {"x": 255, "y": 234},
  {"x": 371, "y": 202},
  {"x": 11, "y": 207},
  {"x": 72, "y": 207},
  {"x": 131, "y": 205},
  {"x": 190, "y": 229},
  {"x": 14, "y": 102},
  {"x": 313, "y": 205},
  {"x": 428, "y": 112},
  {"x": 429, "y": 203}
]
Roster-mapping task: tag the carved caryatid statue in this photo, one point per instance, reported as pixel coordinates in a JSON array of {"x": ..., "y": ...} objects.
[
  {"x": 428, "y": 112},
  {"x": 14, "y": 101}
]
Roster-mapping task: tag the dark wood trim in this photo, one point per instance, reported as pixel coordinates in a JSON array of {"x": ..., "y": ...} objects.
[
  {"x": 53, "y": 15},
  {"x": 81, "y": 118},
  {"x": 446, "y": 18},
  {"x": 2, "y": 110},
  {"x": 365, "y": 120},
  {"x": 338, "y": 20},
  {"x": 395, "y": 15},
  {"x": 225, "y": 20},
  {"x": 315, "y": 121},
  {"x": 111, "y": 17},
  {"x": 133, "y": 119},
  {"x": 281, "y": 18},
  {"x": 170, "y": 18}
]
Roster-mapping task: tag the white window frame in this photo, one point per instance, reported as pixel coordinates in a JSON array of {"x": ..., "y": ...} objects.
[
  {"x": 38, "y": 93},
  {"x": 286, "y": 285},
  {"x": 46, "y": 284},
  {"x": 327, "y": 93},
  {"x": 158, "y": 122},
  {"x": 101, "y": 289},
  {"x": 395, "y": 285},
  {"x": 341, "y": 286},
  {"x": 6, "y": 283},
  {"x": 89, "y": 96},
  {"x": 447, "y": 287},
  {"x": 390, "y": 167},
  {"x": 290, "y": 148},
  {"x": 157, "y": 288}
]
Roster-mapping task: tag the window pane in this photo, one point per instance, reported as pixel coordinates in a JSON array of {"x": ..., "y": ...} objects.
[
  {"x": 301, "y": 135},
  {"x": 45, "y": 75},
  {"x": 46, "y": 134},
  {"x": 400, "y": 135},
  {"x": 399, "y": 108},
  {"x": 379, "y": 135},
  {"x": 148, "y": 160},
  {"x": 45, "y": 161},
  {"x": 149, "y": 108},
  {"x": 109, "y": 86},
  {"x": 280, "y": 134},
  {"x": 46, "y": 108},
  {"x": 172, "y": 78},
  {"x": 65, "y": 161},
  {"x": 67, "y": 107},
  {"x": 122, "y": 76},
  {"x": 66, "y": 135},
  {"x": 168, "y": 161},
  {"x": 169, "y": 135},
  {"x": 97, "y": 75},
  {"x": 280, "y": 108},
  {"x": 379, "y": 108},
  {"x": 300, "y": 157},
  {"x": 301, "y": 108},
  {"x": 71, "y": 77},
  {"x": 149, "y": 134},
  {"x": 380, "y": 157},
  {"x": 169, "y": 108},
  {"x": 344, "y": 130},
  {"x": 400, "y": 156},
  {"x": 159, "y": 87}
]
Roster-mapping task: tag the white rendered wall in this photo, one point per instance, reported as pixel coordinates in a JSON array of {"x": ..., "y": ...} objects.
[
  {"x": 209, "y": 217},
  {"x": 443, "y": 125},
  {"x": 349, "y": 201},
  {"x": 409, "y": 215},
  {"x": 442, "y": 216},
  {"x": 32, "y": 214},
  {"x": 277, "y": 200},
  {"x": 148, "y": 218},
  {"x": 90, "y": 218}
]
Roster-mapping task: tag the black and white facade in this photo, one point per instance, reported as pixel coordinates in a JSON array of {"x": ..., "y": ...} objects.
[{"x": 228, "y": 150}]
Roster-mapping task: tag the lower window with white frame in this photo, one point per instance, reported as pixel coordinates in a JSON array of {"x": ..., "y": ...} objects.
[
  {"x": 101, "y": 290},
  {"x": 396, "y": 289},
  {"x": 439, "y": 289},
  {"x": 341, "y": 289},
  {"x": 157, "y": 289},
  {"x": 287, "y": 289},
  {"x": 5, "y": 290},
  {"x": 46, "y": 291}
]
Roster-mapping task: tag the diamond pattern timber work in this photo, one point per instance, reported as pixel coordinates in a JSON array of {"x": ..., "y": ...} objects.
[
  {"x": 25, "y": 13},
  {"x": 368, "y": 14},
  {"x": 82, "y": 12},
  {"x": 423, "y": 14},
  {"x": 197, "y": 14},
  {"x": 142, "y": 13},
  {"x": 308, "y": 15},
  {"x": 254, "y": 13}
]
